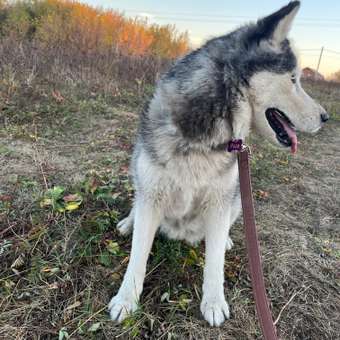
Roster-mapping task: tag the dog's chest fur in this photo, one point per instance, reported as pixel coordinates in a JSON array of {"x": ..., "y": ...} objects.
[{"x": 185, "y": 189}]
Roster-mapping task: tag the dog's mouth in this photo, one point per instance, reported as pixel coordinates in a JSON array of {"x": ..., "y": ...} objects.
[{"x": 283, "y": 127}]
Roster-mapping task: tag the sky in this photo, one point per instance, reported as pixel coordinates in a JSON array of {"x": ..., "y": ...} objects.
[{"x": 317, "y": 24}]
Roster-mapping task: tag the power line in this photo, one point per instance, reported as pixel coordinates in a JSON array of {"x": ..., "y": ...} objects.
[
  {"x": 325, "y": 55},
  {"x": 332, "y": 57},
  {"x": 331, "y": 51},
  {"x": 232, "y": 20},
  {"x": 217, "y": 21},
  {"x": 166, "y": 13},
  {"x": 310, "y": 55},
  {"x": 317, "y": 49},
  {"x": 236, "y": 21}
]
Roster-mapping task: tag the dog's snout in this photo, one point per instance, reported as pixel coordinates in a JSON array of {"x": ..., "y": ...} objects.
[{"x": 324, "y": 117}]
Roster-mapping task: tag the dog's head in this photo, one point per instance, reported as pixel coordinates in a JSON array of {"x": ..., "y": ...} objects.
[{"x": 279, "y": 104}]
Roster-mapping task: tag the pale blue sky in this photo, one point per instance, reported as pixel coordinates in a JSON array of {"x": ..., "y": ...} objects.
[{"x": 317, "y": 24}]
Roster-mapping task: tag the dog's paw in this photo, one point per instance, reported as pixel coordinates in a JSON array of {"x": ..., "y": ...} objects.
[
  {"x": 215, "y": 310},
  {"x": 125, "y": 226},
  {"x": 229, "y": 243},
  {"x": 121, "y": 307}
]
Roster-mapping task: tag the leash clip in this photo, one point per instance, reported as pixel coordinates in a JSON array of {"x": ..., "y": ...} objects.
[{"x": 246, "y": 148}]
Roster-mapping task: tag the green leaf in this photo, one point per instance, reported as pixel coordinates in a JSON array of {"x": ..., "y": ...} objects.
[
  {"x": 105, "y": 259},
  {"x": 52, "y": 197},
  {"x": 55, "y": 192},
  {"x": 183, "y": 301},
  {"x": 59, "y": 207},
  {"x": 112, "y": 247}
]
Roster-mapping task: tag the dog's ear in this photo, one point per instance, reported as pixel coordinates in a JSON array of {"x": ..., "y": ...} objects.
[{"x": 276, "y": 26}]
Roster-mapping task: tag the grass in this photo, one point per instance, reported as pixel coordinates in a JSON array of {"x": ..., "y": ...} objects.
[{"x": 65, "y": 184}]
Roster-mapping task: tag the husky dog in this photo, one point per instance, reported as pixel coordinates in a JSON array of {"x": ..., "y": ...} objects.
[{"x": 186, "y": 183}]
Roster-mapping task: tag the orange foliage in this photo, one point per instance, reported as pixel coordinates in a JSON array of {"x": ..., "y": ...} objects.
[{"x": 75, "y": 25}]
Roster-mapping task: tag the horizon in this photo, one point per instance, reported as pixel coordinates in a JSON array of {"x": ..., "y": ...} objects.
[{"x": 309, "y": 34}]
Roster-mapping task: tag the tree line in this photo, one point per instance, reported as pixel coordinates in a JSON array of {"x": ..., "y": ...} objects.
[{"x": 78, "y": 26}]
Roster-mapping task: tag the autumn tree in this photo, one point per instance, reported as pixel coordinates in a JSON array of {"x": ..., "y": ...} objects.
[{"x": 74, "y": 25}]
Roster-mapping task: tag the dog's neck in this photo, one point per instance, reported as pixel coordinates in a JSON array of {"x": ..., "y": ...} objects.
[
  {"x": 241, "y": 119},
  {"x": 239, "y": 128},
  {"x": 236, "y": 127}
]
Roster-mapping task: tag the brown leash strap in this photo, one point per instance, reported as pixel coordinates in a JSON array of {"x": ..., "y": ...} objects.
[{"x": 254, "y": 257}]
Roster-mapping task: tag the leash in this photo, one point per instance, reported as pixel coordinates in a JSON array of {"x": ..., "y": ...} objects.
[{"x": 254, "y": 258}]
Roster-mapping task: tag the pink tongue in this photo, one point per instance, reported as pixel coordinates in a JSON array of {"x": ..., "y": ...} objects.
[{"x": 291, "y": 133}]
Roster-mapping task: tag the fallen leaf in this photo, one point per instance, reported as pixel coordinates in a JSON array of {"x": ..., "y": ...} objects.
[
  {"x": 165, "y": 297},
  {"x": 53, "y": 285},
  {"x": 46, "y": 202},
  {"x": 283, "y": 162},
  {"x": 94, "y": 327},
  {"x": 124, "y": 169},
  {"x": 18, "y": 262},
  {"x": 72, "y": 206},
  {"x": 57, "y": 96},
  {"x": 263, "y": 194},
  {"x": 63, "y": 334},
  {"x": 51, "y": 271},
  {"x": 115, "y": 276},
  {"x": 15, "y": 271},
  {"x": 72, "y": 198},
  {"x": 73, "y": 306},
  {"x": 93, "y": 185},
  {"x": 5, "y": 198},
  {"x": 9, "y": 284}
]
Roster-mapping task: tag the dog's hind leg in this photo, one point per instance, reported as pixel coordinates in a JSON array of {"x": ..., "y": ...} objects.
[
  {"x": 125, "y": 225},
  {"x": 146, "y": 221},
  {"x": 214, "y": 306}
]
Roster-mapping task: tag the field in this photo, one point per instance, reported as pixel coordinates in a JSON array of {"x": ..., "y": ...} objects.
[{"x": 64, "y": 185}]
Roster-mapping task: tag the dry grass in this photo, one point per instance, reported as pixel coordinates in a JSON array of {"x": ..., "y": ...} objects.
[
  {"x": 30, "y": 71},
  {"x": 59, "y": 269}
]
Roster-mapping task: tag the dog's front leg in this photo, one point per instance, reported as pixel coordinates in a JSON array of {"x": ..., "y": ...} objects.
[
  {"x": 146, "y": 222},
  {"x": 214, "y": 306}
]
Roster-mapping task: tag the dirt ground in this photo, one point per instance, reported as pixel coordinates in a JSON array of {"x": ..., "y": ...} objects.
[{"x": 60, "y": 266}]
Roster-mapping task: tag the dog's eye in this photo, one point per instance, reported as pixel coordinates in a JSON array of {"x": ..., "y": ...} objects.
[{"x": 293, "y": 79}]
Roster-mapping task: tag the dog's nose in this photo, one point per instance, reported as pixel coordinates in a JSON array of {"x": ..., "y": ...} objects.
[{"x": 324, "y": 117}]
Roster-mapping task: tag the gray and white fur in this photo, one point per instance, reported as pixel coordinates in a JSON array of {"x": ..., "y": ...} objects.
[{"x": 186, "y": 184}]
